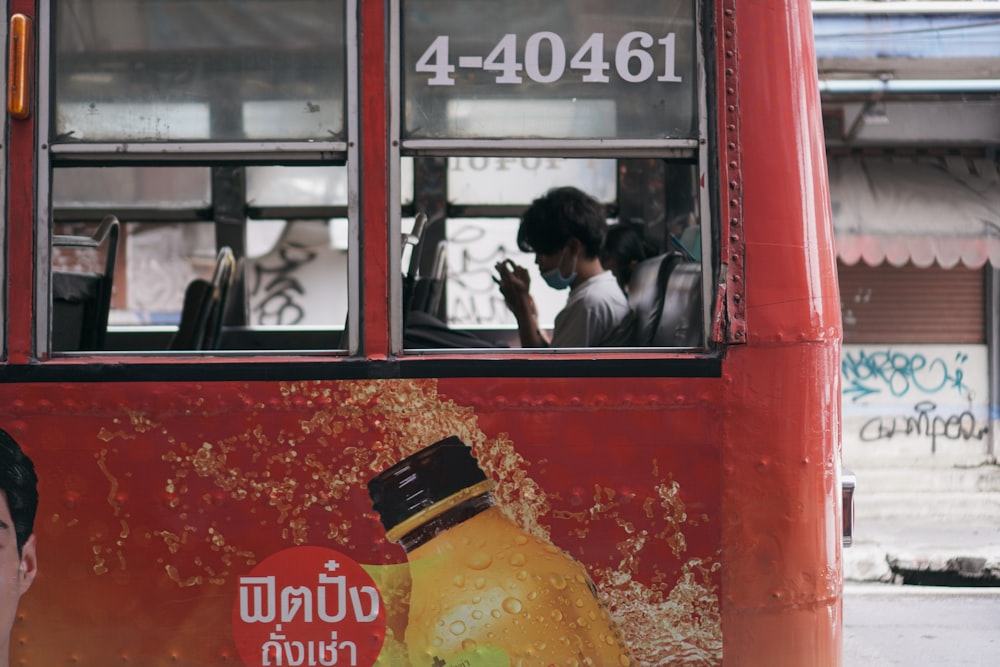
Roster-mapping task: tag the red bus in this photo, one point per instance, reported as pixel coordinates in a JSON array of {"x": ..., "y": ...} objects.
[{"x": 248, "y": 265}]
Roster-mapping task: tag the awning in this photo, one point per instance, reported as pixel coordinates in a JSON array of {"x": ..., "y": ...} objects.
[{"x": 924, "y": 210}]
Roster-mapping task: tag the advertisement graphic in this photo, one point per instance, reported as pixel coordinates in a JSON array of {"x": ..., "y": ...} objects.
[
  {"x": 202, "y": 516},
  {"x": 483, "y": 591},
  {"x": 308, "y": 606}
]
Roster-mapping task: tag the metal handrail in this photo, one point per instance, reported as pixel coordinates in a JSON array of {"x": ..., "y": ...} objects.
[{"x": 103, "y": 231}]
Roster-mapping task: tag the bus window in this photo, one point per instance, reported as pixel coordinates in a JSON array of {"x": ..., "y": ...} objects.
[
  {"x": 479, "y": 220},
  {"x": 294, "y": 243},
  {"x": 607, "y": 102},
  {"x": 202, "y": 127}
]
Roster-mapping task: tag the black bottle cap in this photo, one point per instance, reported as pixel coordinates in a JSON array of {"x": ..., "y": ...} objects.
[{"x": 422, "y": 479}]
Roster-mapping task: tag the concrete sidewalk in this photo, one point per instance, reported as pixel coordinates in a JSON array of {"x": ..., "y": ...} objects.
[{"x": 925, "y": 548}]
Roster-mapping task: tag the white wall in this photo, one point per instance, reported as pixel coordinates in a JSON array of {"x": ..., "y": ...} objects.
[{"x": 915, "y": 404}]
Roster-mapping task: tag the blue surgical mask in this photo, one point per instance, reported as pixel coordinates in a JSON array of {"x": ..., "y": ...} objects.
[{"x": 554, "y": 277}]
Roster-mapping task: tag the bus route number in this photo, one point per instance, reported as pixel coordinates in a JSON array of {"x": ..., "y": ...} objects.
[{"x": 633, "y": 59}]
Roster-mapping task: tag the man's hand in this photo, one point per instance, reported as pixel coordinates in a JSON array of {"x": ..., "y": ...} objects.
[{"x": 515, "y": 284}]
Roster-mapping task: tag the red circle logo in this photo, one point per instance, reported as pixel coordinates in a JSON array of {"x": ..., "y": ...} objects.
[{"x": 308, "y": 606}]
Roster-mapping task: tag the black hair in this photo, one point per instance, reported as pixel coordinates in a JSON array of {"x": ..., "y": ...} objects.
[
  {"x": 559, "y": 215},
  {"x": 625, "y": 243},
  {"x": 20, "y": 484}
]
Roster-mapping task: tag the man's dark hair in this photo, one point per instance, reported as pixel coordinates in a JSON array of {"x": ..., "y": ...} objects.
[
  {"x": 559, "y": 215},
  {"x": 19, "y": 482}
]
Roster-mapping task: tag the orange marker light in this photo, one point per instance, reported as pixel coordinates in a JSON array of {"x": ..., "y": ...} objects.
[{"x": 19, "y": 63}]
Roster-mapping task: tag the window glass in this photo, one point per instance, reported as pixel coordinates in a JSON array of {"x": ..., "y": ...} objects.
[
  {"x": 518, "y": 180},
  {"x": 475, "y": 245},
  {"x": 176, "y": 70},
  {"x": 297, "y": 186},
  {"x": 486, "y": 69},
  {"x": 153, "y": 187},
  {"x": 641, "y": 287},
  {"x": 161, "y": 260},
  {"x": 301, "y": 280},
  {"x": 292, "y": 269}
]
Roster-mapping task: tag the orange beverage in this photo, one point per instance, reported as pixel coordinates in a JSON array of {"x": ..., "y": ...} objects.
[{"x": 486, "y": 593}]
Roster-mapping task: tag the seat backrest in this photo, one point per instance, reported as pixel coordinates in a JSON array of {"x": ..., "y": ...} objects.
[
  {"x": 205, "y": 303},
  {"x": 680, "y": 321},
  {"x": 81, "y": 302},
  {"x": 664, "y": 296},
  {"x": 646, "y": 288}
]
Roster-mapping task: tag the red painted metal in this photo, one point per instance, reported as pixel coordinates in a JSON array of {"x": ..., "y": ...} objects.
[
  {"x": 781, "y": 524},
  {"x": 21, "y": 225},
  {"x": 374, "y": 198}
]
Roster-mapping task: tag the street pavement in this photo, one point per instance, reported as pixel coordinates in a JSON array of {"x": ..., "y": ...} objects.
[{"x": 888, "y": 625}]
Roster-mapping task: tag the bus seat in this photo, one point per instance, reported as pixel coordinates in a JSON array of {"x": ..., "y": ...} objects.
[
  {"x": 428, "y": 291},
  {"x": 81, "y": 301},
  {"x": 680, "y": 321},
  {"x": 664, "y": 295},
  {"x": 205, "y": 303},
  {"x": 646, "y": 288}
]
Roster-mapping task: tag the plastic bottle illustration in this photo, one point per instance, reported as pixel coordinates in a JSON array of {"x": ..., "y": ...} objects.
[{"x": 486, "y": 593}]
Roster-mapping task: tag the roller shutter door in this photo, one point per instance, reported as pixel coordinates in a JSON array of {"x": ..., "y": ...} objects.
[{"x": 907, "y": 304}]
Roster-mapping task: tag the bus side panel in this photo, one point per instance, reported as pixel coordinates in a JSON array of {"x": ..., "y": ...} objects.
[
  {"x": 781, "y": 497},
  {"x": 782, "y": 568},
  {"x": 157, "y": 498}
]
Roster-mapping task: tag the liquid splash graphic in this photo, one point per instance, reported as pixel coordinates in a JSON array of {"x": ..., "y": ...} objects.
[{"x": 296, "y": 465}]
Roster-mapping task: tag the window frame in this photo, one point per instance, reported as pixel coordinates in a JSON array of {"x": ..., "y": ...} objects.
[
  {"x": 52, "y": 155},
  {"x": 615, "y": 149}
]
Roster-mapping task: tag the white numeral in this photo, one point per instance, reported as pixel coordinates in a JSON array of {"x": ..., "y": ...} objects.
[
  {"x": 669, "y": 70},
  {"x": 531, "y": 53},
  {"x": 503, "y": 58},
  {"x": 440, "y": 67},
  {"x": 625, "y": 55},
  {"x": 590, "y": 57}
]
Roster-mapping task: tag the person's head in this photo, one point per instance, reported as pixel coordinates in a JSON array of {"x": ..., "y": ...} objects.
[
  {"x": 19, "y": 484},
  {"x": 557, "y": 217},
  {"x": 624, "y": 247},
  {"x": 18, "y": 504},
  {"x": 564, "y": 228}
]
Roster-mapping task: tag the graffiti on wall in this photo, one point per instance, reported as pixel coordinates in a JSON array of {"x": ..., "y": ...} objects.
[
  {"x": 926, "y": 422},
  {"x": 870, "y": 373},
  {"x": 930, "y": 394}
]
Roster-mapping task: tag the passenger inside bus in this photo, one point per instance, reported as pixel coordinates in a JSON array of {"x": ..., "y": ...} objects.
[
  {"x": 624, "y": 247},
  {"x": 565, "y": 229}
]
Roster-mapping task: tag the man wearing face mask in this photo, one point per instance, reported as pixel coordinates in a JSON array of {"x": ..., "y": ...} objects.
[{"x": 565, "y": 229}]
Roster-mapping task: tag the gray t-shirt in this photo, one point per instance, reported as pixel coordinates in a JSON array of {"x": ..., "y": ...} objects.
[{"x": 593, "y": 310}]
